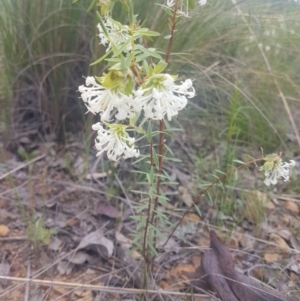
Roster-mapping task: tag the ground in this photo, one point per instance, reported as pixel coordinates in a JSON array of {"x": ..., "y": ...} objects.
[{"x": 65, "y": 223}]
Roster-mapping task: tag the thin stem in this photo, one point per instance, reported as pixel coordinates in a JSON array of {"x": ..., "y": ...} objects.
[
  {"x": 172, "y": 32},
  {"x": 208, "y": 188},
  {"x": 161, "y": 130},
  {"x": 145, "y": 246},
  {"x": 137, "y": 72},
  {"x": 160, "y": 166}
]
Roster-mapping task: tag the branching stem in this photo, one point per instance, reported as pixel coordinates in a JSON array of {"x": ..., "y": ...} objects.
[
  {"x": 207, "y": 189},
  {"x": 161, "y": 130}
]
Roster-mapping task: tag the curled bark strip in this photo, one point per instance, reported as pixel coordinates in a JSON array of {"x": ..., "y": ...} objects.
[
  {"x": 215, "y": 278},
  {"x": 218, "y": 274}
]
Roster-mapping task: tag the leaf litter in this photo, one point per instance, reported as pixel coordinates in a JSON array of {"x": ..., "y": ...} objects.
[{"x": 89, "y": 248}]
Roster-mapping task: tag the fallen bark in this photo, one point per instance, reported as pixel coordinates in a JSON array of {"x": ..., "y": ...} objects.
[{"x": 217, "y": 274}]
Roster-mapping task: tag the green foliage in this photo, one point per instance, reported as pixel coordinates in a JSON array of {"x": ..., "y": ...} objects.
[
  {"x": 26, "y": 156},
  {"x": 45, "y": 51},
  {"x": 38, "y": 234},
  {"x": 241, "y": 65},
  {"x": 47, "y": 46},
  {"x": 222, "y": 52}
]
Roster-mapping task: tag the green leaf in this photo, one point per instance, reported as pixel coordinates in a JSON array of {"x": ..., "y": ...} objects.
[
  {"x": 221, "y": 172},
  {"x": 120, "y": 48},
  {"x": 101, "y": 58},
  {"x": 172, "y": 159},
  {"x": 128, "y": 60},
  {"x": 167, "y": 124},
  {"x": 133, "y": 121},
  {"x": 131, "y": 14},
  {"x": 209, "y": 197},
  {"x": 236, "y": 175},
  {"x": 198, "y": 210},
  {"x": 145, "y": 32},
  {"x": 155, "y": 133},
  {"x": 271, "y": 157},
  {"x": 140, "y": 130},
  {"x": 102, "y": 24},
  {"x": 169, "y": 183},
  {"x": 128, "y": 86},
  {"x": 151, "y": 175},
  {"x": 160, "y": 67},
  {"x": 149, "y": 132},
  {"x": 137, "y": 237},
  {"x": 146, "y": 66},
  {"x": 162, "y": 176},
  {"x": 141, "y": 208},
  {"x": 112, "y": 61},
  {"x": 149, "y": 51},
  {"x": 163, "y": 200},
  {"x": 141, "y": 58},
  {"x": 151, "y": 192},
  {"x": 169, "y": 150},
  {"x": 239, "y": 161},
  {"x": 155, "y": 158},
  {"x": 92, "y": 4},
  {"x": 140, "y": 192},
  {"x": 138, "y": 160}
]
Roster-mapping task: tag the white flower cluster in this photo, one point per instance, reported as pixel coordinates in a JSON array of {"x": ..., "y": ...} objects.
[
  {"x": 115, "y": 141},
  {"x": 100, "y": 100},
  {"x": 158, "y": 97},
  {"x": 109, "y": 96},
  {"x": 277, "y": 171},
  {"x": 117, "y": 33}
]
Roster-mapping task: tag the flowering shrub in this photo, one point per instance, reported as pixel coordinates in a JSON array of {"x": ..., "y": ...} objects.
[{"x": 136, "y": 91}]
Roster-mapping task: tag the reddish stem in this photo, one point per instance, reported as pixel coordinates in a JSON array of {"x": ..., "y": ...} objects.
[
  {"x": 205, "y": 191},
  {"x": 161, "y": 129},
  {"x": 145, "y": 247},
  {"x": 160, "y": 166}
]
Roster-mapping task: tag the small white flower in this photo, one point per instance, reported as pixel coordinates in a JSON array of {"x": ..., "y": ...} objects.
[
  {"x": 160, "y": 96},
  {"x": 117, "y": 32},
  {"x": 100, "y": 100},
  {"x": 267, "y": 48},
  {"x": 180, "y": 11},
  {"x": 170, "y": 3},
  {"x": 115, "y": 141},
  {"x": 277, "y": 170}
]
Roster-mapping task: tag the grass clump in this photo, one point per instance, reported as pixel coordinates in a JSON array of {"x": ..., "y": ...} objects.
[{"x": 45, "y": 50}]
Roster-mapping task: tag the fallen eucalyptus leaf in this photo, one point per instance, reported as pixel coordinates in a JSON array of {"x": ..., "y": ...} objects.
[
  {"x": 55, "y": 244},
  {"x": 78, "y": 258},
  {"x": 97, "y": 238},
  {"x": 104, "y": 208},
  {"x": 65, "y": 267},
  {"x": 125, "y": 242}
]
